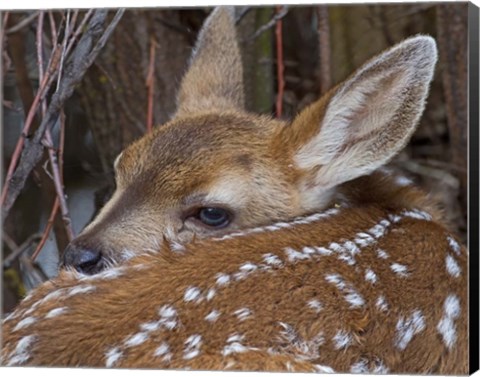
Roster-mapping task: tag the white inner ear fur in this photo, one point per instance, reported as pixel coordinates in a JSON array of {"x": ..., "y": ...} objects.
[{"x": 372, "y": 115}]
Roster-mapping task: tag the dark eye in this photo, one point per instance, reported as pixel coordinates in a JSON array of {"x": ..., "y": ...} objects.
[{"x": 214, "y": 217}]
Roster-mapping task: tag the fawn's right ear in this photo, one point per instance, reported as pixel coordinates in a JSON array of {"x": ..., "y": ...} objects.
[
  {"x": 363, "y": 122},
  {"x": 214, "y": 79}
]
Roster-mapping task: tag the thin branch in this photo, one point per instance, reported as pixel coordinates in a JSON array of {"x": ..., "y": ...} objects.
[
  {"x": 273, "y": 22},
  {"x": 79, "y": 30},
  {"x": 11, "y": 244},
  {"x": 242, "y": 14},
  {"x": 7, "y": 262},
  {"x": 3, "y": 28},
  {"x": 324, "y": 48},
  {"x": 82, "y": 57},
  {"x": 57, "y": 180},
  {"x": 280, "y": 67},
  {"x": 64, "y": 49},
  {"x": 150, "y": 83},
  {"x": 24, "y": 22}
]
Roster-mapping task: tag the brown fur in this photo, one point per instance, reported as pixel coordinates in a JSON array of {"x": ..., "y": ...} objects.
[{"x": 98, "y": 321}]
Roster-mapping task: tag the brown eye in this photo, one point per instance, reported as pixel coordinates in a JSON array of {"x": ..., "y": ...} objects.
[{"x": 214, "y": 217}]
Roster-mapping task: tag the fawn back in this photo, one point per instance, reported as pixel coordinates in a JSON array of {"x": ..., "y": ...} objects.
[
  {"x": 215, "y": 168},
  {"x": 352, "y": 289}
]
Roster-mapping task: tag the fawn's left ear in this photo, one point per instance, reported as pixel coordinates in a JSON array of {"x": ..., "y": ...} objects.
[
  {"x": 214, "y": 79},
  {"x": 366, "y": 120}
]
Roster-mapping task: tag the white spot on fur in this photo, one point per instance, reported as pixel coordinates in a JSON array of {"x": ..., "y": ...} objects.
[
  {"x": 370, "y": 276},
  {"x": 380, "y": 368},
  {"x": 452, "y": 266},
  {"x": 222, "y": 279},
  {"x": 382, "y": 254},
  {"x": 323, "y": 368},
  {"x": 294, "y": 255},
  {"x": 323, "y": 251},
  {"x": 446, "y": 326},
  {"x": 212, "y": 316},
  {"x": 363, "y": 239},
  {"x": 211, "y": 294},
  {"x": 25, "y": 323},
  {"x": 248, "y": 267},
  {"x": 315, "y": 305},
  {"x": 342, "y": 339},
  {"x": 192, "y": 294},
  {"x": 112, "y": 356},
  {"x": 56, "y": 312},
  {"x": 381, "y": 304},
  {"x": 167, "y": 311},
  {"x": 20, "y": 355},
  {"x": 399, "y": 269},
  {"x": 235, "y": 338},
  {"x": 454, "y": 245},
  {"x": 272, "y": 260},
  {"x": 136, "y": 339},
  {"x": 192, "y": 346},
  {"x": 81, "y": 289},
  {"x": 360, "y": 367},
  {"x": 417, "y": 214},
  {"x": 150, "y": 326},
  {"x": 377, "y": 231},
  {"x": 407, "y": 328},
  {"x": 351, "y": 296},
  {"x": 394, "y": 218},
  {"x": 162, "y": 349},
  {"x": 234, "y": 347},
  {"x": 243, "y": 313}
]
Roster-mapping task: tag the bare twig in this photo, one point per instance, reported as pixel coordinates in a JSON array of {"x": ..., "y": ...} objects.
[
  {"x": 79, "y": 30},
  {"x": 24, "y": 22},
  {"x": 47, "y": 229},
  {"x": 324, "y": 48},
  {"x": 273, "y": 22},
  {"x": 19, "y": 250},
  {"x": 11, "y": 244},
  {"x": 82, "y": 57},
  {"x": 150, "y": 83},
  {"x": 57, "y": 180},
  {"x": 4, "y": 26},
  {"x": 280, "y": 67},
  {"x": 64, "y": 49},
  {"x": 242, "y": 14}
]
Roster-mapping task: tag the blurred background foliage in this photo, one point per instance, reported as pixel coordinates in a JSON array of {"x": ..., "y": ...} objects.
[{"x": 321, "y": 45}]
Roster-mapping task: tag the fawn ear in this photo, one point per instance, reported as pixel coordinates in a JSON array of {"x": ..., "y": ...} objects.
[
  {"x": 363, "y": 122},
  {"x": 214, "y": 79}
]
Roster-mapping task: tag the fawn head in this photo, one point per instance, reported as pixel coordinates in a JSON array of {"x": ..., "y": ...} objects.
[{"x": 216, "y": 168}]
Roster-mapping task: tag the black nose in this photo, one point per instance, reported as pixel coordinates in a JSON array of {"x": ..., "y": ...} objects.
[{"x": 83, "y": 259}]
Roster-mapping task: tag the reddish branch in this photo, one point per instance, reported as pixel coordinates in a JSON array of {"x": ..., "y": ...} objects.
[
  {"x": 150, "y": 83},
  {"x": 90, "y": 44},
  {"x": 324, "y": 48},
  {"x": 280, "y": 66}
]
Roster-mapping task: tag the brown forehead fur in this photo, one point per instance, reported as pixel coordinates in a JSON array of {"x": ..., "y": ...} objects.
[
  {"x": 179, "y": 155},
  {"x": 96, "y": 322}
]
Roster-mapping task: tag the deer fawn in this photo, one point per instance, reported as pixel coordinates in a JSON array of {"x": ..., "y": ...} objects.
[{"x": 246, "y": 243}]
